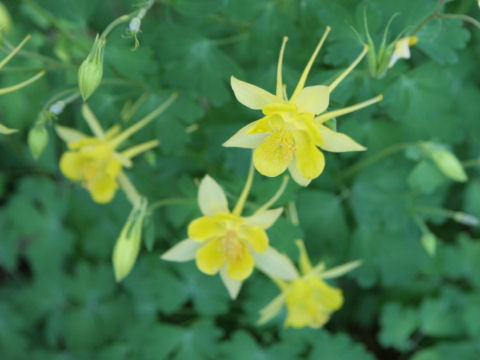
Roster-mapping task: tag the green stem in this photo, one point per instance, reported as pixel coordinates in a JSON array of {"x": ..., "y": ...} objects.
[
  {"x": 275, "y": 197},
  {"x": 465, "y": 18},
  {"x": 430, "y": 17},
  {"x": 115, "y": 23},
  {"x": 293, "y": 214},
  {"x": 375, "y": 158},
  {"x": 246, "y": 190},
  {"x": 171, "y": 201},
  {"x": 129, "y": 189},
  {"x": 458, "y": 216}
]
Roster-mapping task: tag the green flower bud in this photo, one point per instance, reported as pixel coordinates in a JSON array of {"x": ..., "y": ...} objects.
[
  {"x": 429, "y": 243},
  {"x": 446, "y": 162},
  {"x": 37, "y": 140},
  {"x": 5, "y": 20},
  {"x": 91, "y": 71},
  {"x": 128, "y": 243}
]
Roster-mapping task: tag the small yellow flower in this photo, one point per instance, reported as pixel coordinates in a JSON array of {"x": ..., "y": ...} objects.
[
  {"x": 223, "y": 241},
  {"x": 96, "y": 162},
  {"x": 309, "y": 300},
  {"x": 291, "y": 130},
  {"x": 402, "y": 49}
]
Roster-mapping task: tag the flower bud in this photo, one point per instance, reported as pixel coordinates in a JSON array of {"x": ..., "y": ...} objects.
[
  {"x": 57, "y": 108},
  {"x": 5, "y": 20},
  {"x": 447, "y": 163},
  {"x": 37, "y": 140},
  {"x": 134, "y": 25},
  {"x": 429, "y": 243},
  {"x": 128, "y": 243},
  {"x": 91, "y": 70}
]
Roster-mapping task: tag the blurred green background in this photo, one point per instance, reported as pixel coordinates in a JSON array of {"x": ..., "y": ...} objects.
[{"x": 58, "y": 297}]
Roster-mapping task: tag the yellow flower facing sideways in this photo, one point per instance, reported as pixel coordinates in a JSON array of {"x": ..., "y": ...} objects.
[
  {"x": 309, "y": 299},
  {"x": 292, "y": 129},
  {"x": 223, "y": 241},
  {"x": 96, "y": 162},
  {"x": 402, "y": 49}
]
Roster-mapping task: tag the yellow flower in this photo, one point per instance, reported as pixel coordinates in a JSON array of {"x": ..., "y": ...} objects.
[
  {"x": 402, "y": 49},
  {"x": 96, "y": 162},
  {"x": 223, "y": 241},
  {"x": 309, "y": 300},
  {"x": 291, "y": 130}
]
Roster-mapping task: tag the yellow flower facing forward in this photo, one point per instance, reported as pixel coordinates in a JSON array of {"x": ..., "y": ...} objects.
[
  {"x": 96, "y": 162},
  {"x": 292, "y": 129},
  {"x": 309, "y": 300},
  {"x": 402, "y": 49},
  {"x": 223, "y": 241}
]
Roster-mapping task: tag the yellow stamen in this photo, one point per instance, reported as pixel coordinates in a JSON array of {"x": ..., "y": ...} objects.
[
  {"x": 335, "y": 113},
  {"x": 279, "y": 68},
  {"x": 342, "y": 76},
  {"x": 14, "y": 52},
  {"x": 140, "y": 148},
  {"x": 22, "y": 84},
  {"x": 303, "y": 78}
]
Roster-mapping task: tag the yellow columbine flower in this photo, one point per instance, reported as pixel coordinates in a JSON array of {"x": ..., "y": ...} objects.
[
  {"x": 223, "y": 241},
  {"x": 309, "y": 299},
  {"x": 96, "y": 162},
  {"x": 291, "y": 130},
  {"x": 402, "y": 49}
]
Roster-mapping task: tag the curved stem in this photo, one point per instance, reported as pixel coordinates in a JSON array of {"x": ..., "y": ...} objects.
[
  {"x": 246, "y": 190},
  {"x": 275, "y": 197},
  {"x": 465, "y": 18},
  {"x": 374, "y": 158},
  {"x": 171, "y": 201}
]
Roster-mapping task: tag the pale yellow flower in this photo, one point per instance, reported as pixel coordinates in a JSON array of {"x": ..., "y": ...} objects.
[
  {"x": 292, "y": 129},
  {"x": 309, "y": 300},
  {"x": 402, "y": 49},
  {"x": 223, "y": 241}
]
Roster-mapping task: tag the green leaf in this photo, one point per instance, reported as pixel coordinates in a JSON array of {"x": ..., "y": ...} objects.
[{"x": 398, "y": 323}]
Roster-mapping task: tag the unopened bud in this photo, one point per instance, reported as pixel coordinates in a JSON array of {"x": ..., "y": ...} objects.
[
  {"x": 37, "y": 140},
  {"x": 91, "y": 70},
  {"x": 128, "y": 243},
  {"x": 57, "y": 108},
  {"x": 429, "y": 243},
  {"x": 5, "y": 20},
  {"x": 134, "y": 25},
  {"x": 448, "y": 164}
]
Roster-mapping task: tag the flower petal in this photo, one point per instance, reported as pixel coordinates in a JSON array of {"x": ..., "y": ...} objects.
[
  {"x": 204, "y": 228},
  {"x": 71, "y": 165},
  {"x": 297, "y": 177},
  {"x": 243, "y": 140},
  {"x": 103, "y": 189},
  {"x": 210, "y": 258},
  {"x": 185, "y": 250},
  {"x": 310, "y": 161},
  {"x": 272, "y": 309},
  {"x": 272, "y": 157},
  {"x": 241, "y": 267},
  {"x": 265, "y": 219},
  {"x": 313, "y": 99},
  {"x": 211, "y": 198},
  {"x": 338, "y": 142},
  {"x": 256, "y": 236},
  {"x": 233, "y": 286},
  {"x": 250, "y": 95},
  {"x": 276, "y": 265},
  {"x": 68, "y": 134}
]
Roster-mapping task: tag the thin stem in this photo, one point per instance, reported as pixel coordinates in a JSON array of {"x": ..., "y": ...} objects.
[
  {"x": 246, "y": 190},
  {"x": 293, "y": 214},
  {"x": 275, "y": 197},
  {"x": 457, "y": 216},
  {"x": 344, "y": 74},
  {"x": 14, "y": 51},
  {"x": 114, "y": 23},
  {"x": 93, "y": 122},
  {"x": 374, "y": 158},
  {"x": 349, "y": 109},
  {"x": 129, "y": 189},
  {"x": 471, "y": 163},
  {"x": 465, "y": 18},
  {"x": 22, "y": 84},
  {"x": 430, "y": 17}
]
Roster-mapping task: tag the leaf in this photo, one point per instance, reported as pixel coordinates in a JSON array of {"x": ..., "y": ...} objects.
[{"x": 398, "y": 323}]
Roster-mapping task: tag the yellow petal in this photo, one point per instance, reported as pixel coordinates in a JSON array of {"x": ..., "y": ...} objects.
[
  {"x": 103, "y": 189},
  {"x": 275, "y": 264},
  {"x": 71, "y": 165},
  {"x": 211, "y": 198},
  {"x": 256, "y": 236},
  {"x": 309, "y": 160},
  {"x": 6, "y": 130},
  {"x": 338, "y": 142},
  {"x": 296, "y": 176},
  {"x": 69, "y": 135},
  {"x": 240, "y": 267},
  {"x": 264, "y": 219},
  {"x": 185, "y": 250},
  {"x": 233, "y": 286},
  {"x": 267, "y": 124},
  {"x": 313, "y": 99},
  {"x": 210, "y": 258},
  {"x": 204, "y": 228},
  {"x": 272, "y": 157},
  {"x": 250, "y": 95},
  {"x": 244, "y": 139}
]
